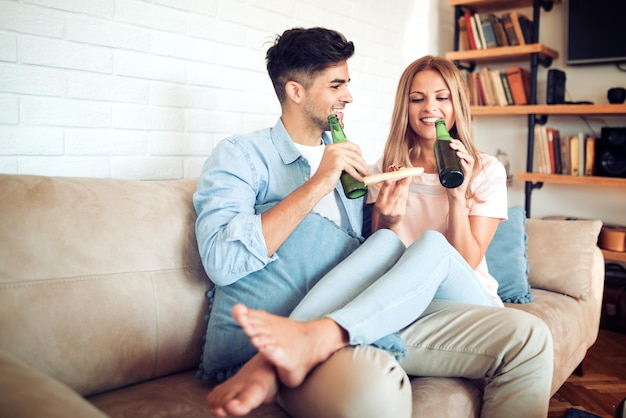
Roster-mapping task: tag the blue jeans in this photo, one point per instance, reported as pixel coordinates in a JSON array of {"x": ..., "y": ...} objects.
[
  {"x": 314, "y": 248},
  {"x": 383, "y": 287}
]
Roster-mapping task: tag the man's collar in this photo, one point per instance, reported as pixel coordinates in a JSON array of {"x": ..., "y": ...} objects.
[{"x": 284, "y": 144}]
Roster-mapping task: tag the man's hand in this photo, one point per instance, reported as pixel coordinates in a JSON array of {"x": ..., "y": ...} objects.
[{"x": 344, "y": 156}]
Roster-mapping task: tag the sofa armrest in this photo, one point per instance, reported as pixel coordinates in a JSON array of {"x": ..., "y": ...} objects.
[
  {"x": 563, "y": 255},
  {"x": 26, "y": 393}
]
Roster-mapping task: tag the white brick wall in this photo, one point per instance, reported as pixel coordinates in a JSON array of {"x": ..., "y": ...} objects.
[{"x": 144, "y": 89}]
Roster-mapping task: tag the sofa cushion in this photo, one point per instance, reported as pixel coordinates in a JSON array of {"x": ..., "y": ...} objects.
[
  {"x": 560, "y": 253},
  {"x": 101, "y": 284},
  {"x": 507, "y": 259}
]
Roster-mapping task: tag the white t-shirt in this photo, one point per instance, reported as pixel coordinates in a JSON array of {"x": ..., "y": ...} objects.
[
  {"x": 328, "y": 206},
  {"x": 427, "y": 206}
]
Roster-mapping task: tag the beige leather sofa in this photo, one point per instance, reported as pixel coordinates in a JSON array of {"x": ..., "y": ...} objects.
[{"x": 102, "y": 302}]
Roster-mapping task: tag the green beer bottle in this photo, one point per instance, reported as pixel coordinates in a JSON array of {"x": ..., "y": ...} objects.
[
  {"x": 351, "y": 186},
  {"x": 448, "y": 164}
]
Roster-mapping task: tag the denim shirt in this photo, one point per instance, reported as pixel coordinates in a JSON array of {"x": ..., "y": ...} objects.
[{"x": 244, "y": 176}]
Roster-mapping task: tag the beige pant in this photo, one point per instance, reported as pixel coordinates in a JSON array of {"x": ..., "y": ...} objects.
[{"x": 510, "y": 349}]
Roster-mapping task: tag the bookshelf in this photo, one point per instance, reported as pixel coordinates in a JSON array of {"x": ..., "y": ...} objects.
[
  {"x": 575, "y": 110},
  {"x": 495, "y": 5},
  {"x": 535, "y": 54},
  {"x": 503, "y": 53},
  {"x": 594, "y": 181}
]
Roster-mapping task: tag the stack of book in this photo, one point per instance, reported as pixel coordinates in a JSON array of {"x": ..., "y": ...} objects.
[
  {"x": 484, "y": 31},
  {"x": 563, "y": 154},
  {"x": 498, "y": 87}
]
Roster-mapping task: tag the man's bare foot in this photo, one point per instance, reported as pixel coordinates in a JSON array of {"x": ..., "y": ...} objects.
[
  {"x": 293, "y": 347},
  {"x": 255, "y": 384}
]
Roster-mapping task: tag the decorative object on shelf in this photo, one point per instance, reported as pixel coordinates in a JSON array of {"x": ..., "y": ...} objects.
[
  {"x": 616, "y": 95},
  {"x": 611, "y": 152},
  {"x": 613, "y": 238},
  {"x": 503, "y": 157},
  {"x": 556, "y": 87}
]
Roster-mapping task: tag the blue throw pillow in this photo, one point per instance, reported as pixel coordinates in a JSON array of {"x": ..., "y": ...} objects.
[{"x": 507, "y": 259}]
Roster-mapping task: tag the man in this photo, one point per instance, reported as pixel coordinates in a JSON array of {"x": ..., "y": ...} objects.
[{"x": 273, "y": 220}]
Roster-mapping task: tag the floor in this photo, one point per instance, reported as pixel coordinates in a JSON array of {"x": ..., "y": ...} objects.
[{"x": 603, "y": 383}]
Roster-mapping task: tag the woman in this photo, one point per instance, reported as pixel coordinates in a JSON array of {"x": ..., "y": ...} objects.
[{"x": 433, "y": 88}]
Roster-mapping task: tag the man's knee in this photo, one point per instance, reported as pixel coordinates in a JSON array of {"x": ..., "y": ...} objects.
[
  {"x": 357, "y": 382},
  {"x": 532, "y": 331}
]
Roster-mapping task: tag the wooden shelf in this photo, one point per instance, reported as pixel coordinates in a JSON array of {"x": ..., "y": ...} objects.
[
  {"x": 614, "y": 255},
  {"x": 493, "y": 5},
  {"x": 573, "y": 180},
  {"x": 502, "y": 53},
  {"x": 599, "y": 109}
]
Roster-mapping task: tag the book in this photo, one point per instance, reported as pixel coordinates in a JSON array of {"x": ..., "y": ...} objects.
[
  {"x": 477, "y": 37},
  {"x": 554, "y": 142},
  {"x": 507, "y": 89},
  {"x": 517, "y": 28},
  {"x": 488, "y": 32},
  {"x": 550, "y": 149},
  {"x": 498, "y": 88},
  {"x": 488, "y": 87},
  {"x": 527, "y": 28},
  {"x": 507, "y": 23},
  {"x": 536, "y": 150},
  {"x": 573, "y": 156},
  {"x": 542, "y": 160},
  {"x": 558, "y": 159},
  {"x": 470, "y": 31},
  {"x": 498, "y": 29},
  {"x": 590, "y": 146},
  {"x": 565, "y": 155},
  {"x": 480, "y": 88},
  {"x": 479, "y": 29},
  {"x": 463, "y": 41},
  {"x": 581, "y": 154},
  {"x": 548, "y": 163},
  {"x": 473, "y": 89},
  {"x": 519, "y": 82}
]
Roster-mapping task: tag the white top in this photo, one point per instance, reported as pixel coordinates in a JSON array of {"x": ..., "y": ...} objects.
[
  {"x": 427, "y": 207},
  {"x": 328, "y": 206}
]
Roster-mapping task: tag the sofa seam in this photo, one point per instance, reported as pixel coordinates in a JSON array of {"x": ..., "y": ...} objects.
[{"x": 71, "y": 279}]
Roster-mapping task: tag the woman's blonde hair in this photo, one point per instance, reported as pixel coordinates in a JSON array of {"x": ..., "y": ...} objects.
[{"x": 400, "y": 140}]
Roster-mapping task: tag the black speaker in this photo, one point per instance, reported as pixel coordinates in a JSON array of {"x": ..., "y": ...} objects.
[
  {"x": 556, "y": 87},
  {"x": 611, "y": 153}
]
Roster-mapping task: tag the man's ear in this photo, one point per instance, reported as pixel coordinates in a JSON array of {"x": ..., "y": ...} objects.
[{"x": 294, "y": 91}]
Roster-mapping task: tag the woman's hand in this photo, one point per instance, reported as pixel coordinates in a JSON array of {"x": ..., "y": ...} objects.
[
  {"x": 390, "y": 205},
  {"x": 467, "y": 164}
]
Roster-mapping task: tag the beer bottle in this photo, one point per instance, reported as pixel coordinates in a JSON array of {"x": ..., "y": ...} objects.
[
  {"x": 351, "y": 186},
  {"x": 448, "y": 164}
]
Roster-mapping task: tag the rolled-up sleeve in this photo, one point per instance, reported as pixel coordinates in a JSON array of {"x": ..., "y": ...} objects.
[{"x": 228, "y": 230}]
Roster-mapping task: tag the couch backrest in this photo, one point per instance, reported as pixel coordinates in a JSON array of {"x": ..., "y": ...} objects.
[{"x": 101, "y": 284}]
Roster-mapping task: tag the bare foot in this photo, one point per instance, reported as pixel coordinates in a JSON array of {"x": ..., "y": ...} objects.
[
  {"x": 293, "y": 347},
  {"x": 255, "y": 384}
]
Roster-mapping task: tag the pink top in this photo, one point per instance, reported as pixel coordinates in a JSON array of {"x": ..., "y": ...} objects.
[{"x": 427, "y": 207}]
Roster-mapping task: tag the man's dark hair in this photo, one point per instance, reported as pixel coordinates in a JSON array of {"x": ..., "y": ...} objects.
[{"x": 299, "y": 54}]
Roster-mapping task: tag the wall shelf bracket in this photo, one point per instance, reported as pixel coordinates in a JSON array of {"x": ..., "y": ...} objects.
[
  {"x": 546, "y": 4},
  {"x": 471, "y": 66},
  {"x": 545, "y": 61}
]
